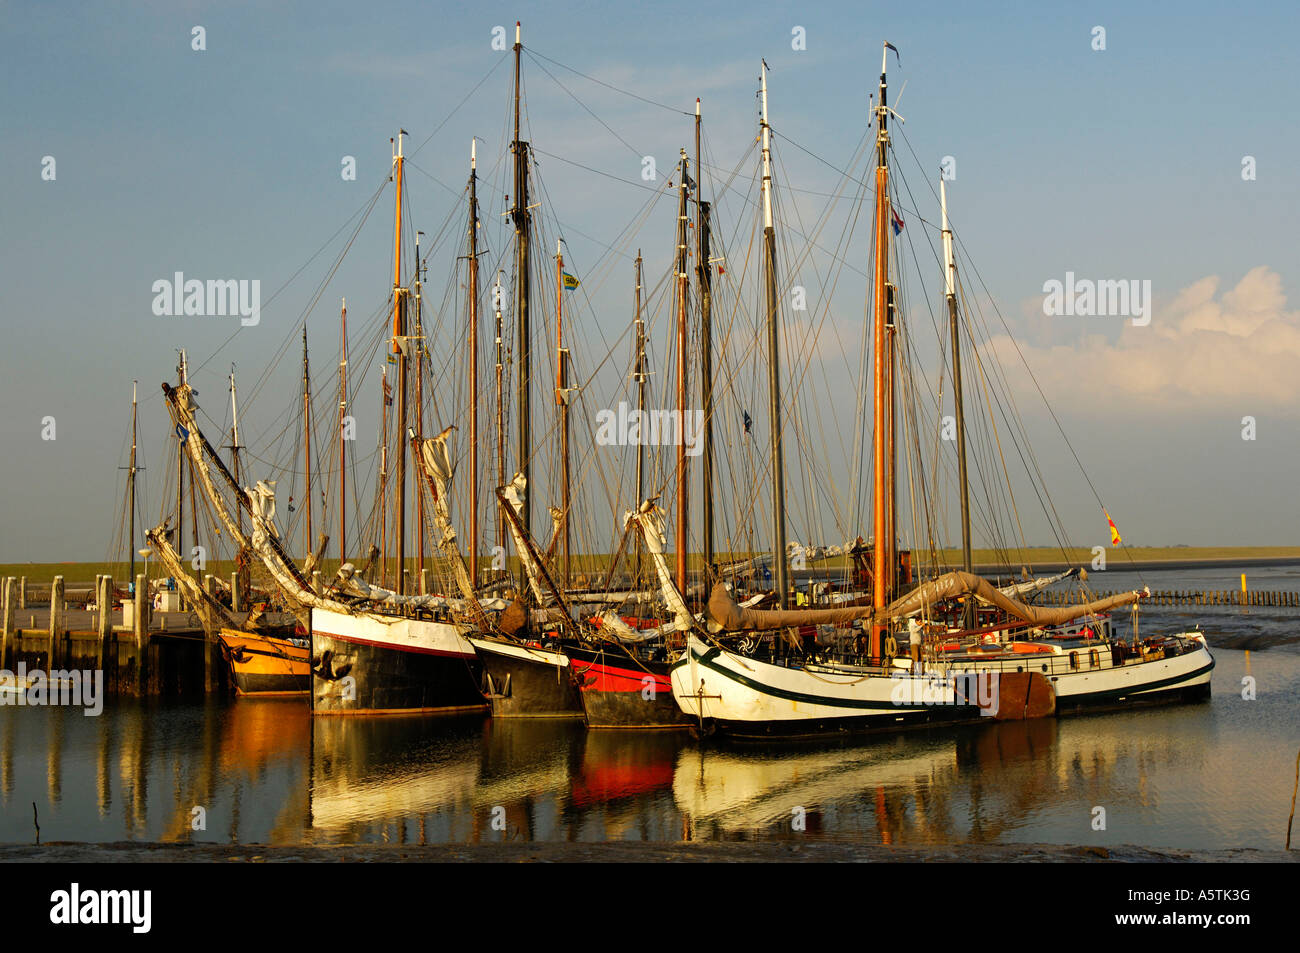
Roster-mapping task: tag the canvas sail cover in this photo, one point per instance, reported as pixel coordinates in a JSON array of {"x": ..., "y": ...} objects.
[{"x": 730, "y": 616}]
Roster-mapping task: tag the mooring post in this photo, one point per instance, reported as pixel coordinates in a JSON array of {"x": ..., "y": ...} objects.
[
  {"x": 234, "y": 593},
  {"x": 104, "y": 596},
  {"x": 10, "y": 607},
  {"x": 141, "y": 630},
  {"x": 424, "y": 582},
  {"x": 22, "y": 592},
  {"x": 56, "y": 623}
]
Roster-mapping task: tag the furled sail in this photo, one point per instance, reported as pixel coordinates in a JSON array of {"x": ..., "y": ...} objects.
[
  {"x": 727, "y": 614},
  {"x": 650, "y": 520}
]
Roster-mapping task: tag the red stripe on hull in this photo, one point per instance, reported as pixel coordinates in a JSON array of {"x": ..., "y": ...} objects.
[{"x": 617, "y": 678}]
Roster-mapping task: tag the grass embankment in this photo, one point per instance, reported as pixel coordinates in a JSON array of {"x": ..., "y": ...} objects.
[{"x": 595, "y": 565}]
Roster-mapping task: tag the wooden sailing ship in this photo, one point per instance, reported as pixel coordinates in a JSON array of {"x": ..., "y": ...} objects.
[{"x": 838, "y": 670}]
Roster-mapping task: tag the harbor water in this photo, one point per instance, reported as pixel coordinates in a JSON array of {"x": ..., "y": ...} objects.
[{"x": 1211, "y": 775}]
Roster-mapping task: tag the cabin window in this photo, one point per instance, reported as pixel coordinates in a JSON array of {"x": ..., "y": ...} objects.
[
  {"x": 1074, "y": 660},
  {"x": 1093, "y": 658}
]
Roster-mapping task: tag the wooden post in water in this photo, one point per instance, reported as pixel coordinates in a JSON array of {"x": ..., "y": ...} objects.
[
  {"x": 7, "y": 627},
  {"x": 234, "y": 592},
  {"x": 22, "y": 592},
  {"x": 424, "y": 582},
  {"x": 56, "y": 622},
  {"x": 142, "y": 608},
  {"x": 104, "y": 596}
]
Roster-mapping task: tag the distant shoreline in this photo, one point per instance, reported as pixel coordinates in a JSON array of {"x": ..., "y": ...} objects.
[{"x": 985, "y": 562}]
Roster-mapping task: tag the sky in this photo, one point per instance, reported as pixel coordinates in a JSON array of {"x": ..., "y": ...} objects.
[{"x": 1164, "y": 157}]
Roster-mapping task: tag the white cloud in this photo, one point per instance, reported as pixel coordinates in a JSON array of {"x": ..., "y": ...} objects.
[{"x": 1202, "y": 349}]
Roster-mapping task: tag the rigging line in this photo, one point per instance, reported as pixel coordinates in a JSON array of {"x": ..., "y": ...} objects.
[
  {"x": 533, "y": 53},
  {"x": 608, "y": 175},
  {"x": 638, "y": 153},
  {"x": 447, "y": 118},
  {"x": 367, "y": 207}
]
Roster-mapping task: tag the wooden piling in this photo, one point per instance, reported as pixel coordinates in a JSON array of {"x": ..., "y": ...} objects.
[
  {"x": 234, "y": 593},
  {"x": 10, "y": 608},
  {"x": 104, "y": 596},
  {"x": 22, "y": 592},
  {"x": 56, "y": 624},
  {"x": 142, "y": 608}
]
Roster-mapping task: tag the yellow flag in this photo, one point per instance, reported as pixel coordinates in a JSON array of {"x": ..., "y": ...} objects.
[{"x": 1114, "y": 533}]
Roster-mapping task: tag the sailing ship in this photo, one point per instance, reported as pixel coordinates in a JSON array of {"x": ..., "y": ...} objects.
[{"x": 837, "y": 670}]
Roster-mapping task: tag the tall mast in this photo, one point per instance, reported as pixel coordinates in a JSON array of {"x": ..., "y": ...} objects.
[
  {"x": 182, "y": 373},
  {"x": 774, "y": 360},
  {"x": 472, "y": 346},
  {"x": 131, "y": 484},
  {"x": 562, "y": 402},
  {"x": 883, "y": 496},
  {"x": 640, "y": 376},
  {"x": 343, "y": 444},
  {"x": 306, "y": 441},
  {"x": 520, "y": 216},
  {"x": 383, "y": 474},
  {"x": 501, "y": 413},
  {"x": 705, "y": 281},
  {"x": 682, "y": 482},
  {"x": 950, "y": 295},
  {"x": 419, "y": 405},
  {"x": 235, "y": 447},
  {"x": 399, "y": 348}
]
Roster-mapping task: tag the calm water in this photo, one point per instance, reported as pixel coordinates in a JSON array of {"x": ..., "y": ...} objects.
[{"x": 1211, "y": 775}]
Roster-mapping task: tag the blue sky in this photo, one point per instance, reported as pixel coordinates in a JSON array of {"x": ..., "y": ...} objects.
[{"x": 1122, "y": 163}]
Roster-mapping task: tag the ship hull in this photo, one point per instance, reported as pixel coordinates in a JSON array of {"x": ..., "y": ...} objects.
[
  {"x": 263, "y": 665},
  {"x": 747, "y": 699},
  {"x": 523, "y": 681},
  {"x": 619, "y": 691},
  {"x": 369, "y": 664}
]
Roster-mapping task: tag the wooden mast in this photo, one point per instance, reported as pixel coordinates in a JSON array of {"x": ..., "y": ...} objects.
[
  {"x": 774, "y": 362},
  {"x": 235, "y": 447},
  {"x": 640, "y": 376},
  {"x": 130, "y": 475},
  {"x": 682, "y": 287},
  {"x": 419, "y": 409},
  {"x": 399, "y": 348},
  {"x": 883, "y": 497},
  {"x": 181, "y": 375},
  {"x": 501, "y": 411},
  {"x": 562, "y": 402},
  {"x": 705, "y": 282},
  {"x": 343, "y": 444},
  {"x": 519, "y": 214},
  {"x": 306, "y": 442},
  {"x": 472, "y": 347},
  {"x": 950, "y": 295},
  {"x": 383, "y": 474}
]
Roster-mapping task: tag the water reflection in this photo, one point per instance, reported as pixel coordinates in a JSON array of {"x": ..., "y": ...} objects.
[{"x": 263, "y": 771}]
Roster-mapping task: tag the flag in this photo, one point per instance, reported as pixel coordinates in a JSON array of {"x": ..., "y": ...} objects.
[
  {"x": 388, "y": 394},
  {"x": 897, "y": 58},
  {"x": 182, "y": 434},
  {"x": 570, "y": 282},
  {"x": 1114, "y": 533},
  {"x": 898, "y": 221}
]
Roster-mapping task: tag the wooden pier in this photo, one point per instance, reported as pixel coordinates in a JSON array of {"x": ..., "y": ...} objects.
[{"x": 141, "y": 652}]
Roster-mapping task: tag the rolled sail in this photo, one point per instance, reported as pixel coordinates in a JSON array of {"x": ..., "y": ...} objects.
[{"x": 730, "y": 616}]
